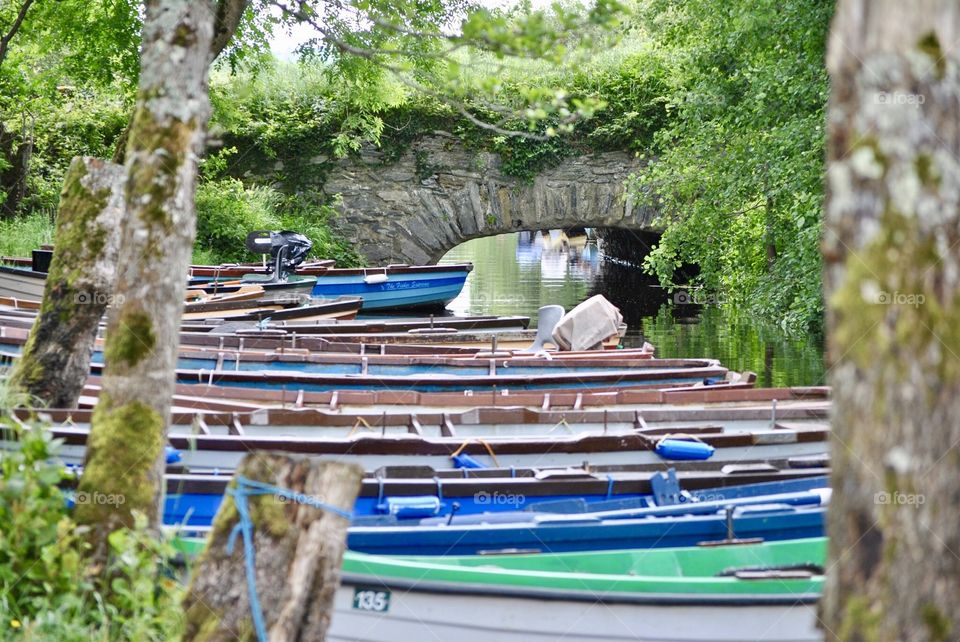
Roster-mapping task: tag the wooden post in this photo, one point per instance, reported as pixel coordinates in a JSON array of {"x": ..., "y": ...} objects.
[{"x": 299, "y": 549}]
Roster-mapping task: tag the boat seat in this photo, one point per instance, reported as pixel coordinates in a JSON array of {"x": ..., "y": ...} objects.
[
  {"x": 547, "y": 318},
  {"x": 501, "y": 517}
]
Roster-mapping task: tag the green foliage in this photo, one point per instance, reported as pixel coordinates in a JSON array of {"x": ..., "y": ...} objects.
[
  {"x": 741, "y": 343},
  {"x": 46, "y": 592},
  {"x": 739, "y": 163},
  {"x": 20, "y": 235},
  {"x": 227, "y": 210}
]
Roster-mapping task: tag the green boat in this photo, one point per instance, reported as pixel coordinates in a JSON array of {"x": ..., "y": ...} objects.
[{"x": 764, "y": 591}]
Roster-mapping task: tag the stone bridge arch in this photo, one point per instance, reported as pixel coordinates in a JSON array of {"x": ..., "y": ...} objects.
[{"x": 439, "y": 195}]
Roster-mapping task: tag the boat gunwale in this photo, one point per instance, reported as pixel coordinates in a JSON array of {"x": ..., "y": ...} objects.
[{"x": 360, "y": 580}]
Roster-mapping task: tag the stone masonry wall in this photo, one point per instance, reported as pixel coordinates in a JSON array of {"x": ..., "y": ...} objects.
[{"x": 440, "y": 194}]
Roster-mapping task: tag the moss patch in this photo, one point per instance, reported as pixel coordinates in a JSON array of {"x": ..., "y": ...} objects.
[
  {"x": 131, "y": 339},
  {"x": 930, "y": 45},
  {"x": 937, "y": 623},
  {"x": 926, "y": 171},
  {"x": 125, "y": 441},
  {"x": 79, "y": 239},
  {"x": 887, "y": 301},
  {"x": 202, "y": 621},
  {"x": 860, "y": 621},
  {"x": 153, "y": 181}
]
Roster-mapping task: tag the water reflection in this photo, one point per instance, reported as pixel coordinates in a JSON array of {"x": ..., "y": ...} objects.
[{"x": 518, "y": 273}]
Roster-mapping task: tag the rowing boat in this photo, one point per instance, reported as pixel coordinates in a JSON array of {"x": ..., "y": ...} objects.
[
  {"x": 396, "y": 286},
  {"x": 404, "y": 493},
  {"x": 428, "y": 325},
  {"x": 329, "y": 372},
  {"x": 22, "y": 282},
  {"x": 238, "y": 270},
  {"x": 762, "y": 591},
  {"x": 292, "y": 284},
  {"x": 219, "y": 442},
  {"x": 385, "y": 288},
  {"x": 770, "y": 518},
  {"x": 300, "y": 308}
]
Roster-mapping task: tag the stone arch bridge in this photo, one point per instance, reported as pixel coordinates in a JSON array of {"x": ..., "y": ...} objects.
[{"x": 439, "y": 195}]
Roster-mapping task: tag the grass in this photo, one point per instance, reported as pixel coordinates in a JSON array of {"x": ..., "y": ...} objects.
[{"x": 20, "y": 235}]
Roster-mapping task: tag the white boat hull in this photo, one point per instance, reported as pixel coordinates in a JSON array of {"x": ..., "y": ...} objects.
[
  {"x": 19, "y": 283},
  {"x": 227, "y": 460},
  {"x": 428, "y": 616}
]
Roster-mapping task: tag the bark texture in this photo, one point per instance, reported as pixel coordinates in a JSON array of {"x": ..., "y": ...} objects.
[
  {"x": 229, "y": 14},
  {"x": 56, "y": 358},
  {"x": 124, "y": 457},
  {"x": 299, "y": 550},
  {"x": 11, "y": 31},
  {"x": 13, "y": 180},
  {"x": 892, "y": 278}
]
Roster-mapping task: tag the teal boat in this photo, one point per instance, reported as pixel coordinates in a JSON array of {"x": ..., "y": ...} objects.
[{"x": 764, "y": 591}]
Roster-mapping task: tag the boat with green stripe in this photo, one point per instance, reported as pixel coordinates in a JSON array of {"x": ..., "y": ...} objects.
[{"x": 762, "y": 591}]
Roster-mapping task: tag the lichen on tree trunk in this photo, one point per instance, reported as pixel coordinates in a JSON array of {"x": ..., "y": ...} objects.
[
  {"x": 299, "y": 550},
  {"x": 125, "y": 451},
  {"x": 892, "y": 279},
  {"x": 56, "y": 359}
]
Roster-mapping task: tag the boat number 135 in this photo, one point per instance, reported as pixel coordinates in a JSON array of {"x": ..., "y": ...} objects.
[{"x": 371, "y": 600}]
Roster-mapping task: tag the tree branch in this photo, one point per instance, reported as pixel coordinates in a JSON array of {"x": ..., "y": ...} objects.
[
  {"x": 229, "y": 14},
  {"x": 403, "y": 77},
  {"x": 5, "y": 40}
]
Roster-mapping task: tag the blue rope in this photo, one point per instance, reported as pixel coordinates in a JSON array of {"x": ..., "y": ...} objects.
[
  {"x": 609, "y": 486},
  {"x": 248, "y": 488}
]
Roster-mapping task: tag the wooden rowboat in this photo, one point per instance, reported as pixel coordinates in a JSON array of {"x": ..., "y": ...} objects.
[
  {"x": 384, "y": 288},
  {"x": 300, "y": 308},
  {"x": 403, "y": 494},
  {"x": 766, "y": 591},
  {"x": 203, "y": 446},
  {"x": 22, "y": 283},
  {"x": 238, "y": 270},
  {"x": 396, "y": 286}
]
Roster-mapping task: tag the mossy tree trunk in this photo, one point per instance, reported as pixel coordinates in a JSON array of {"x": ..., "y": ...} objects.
[
  {"x": 125, "y": 450},
  {"x": 892, "y": 277},
  {"x": 299, "y": 550},
  {"x": 56, "y": 359}
]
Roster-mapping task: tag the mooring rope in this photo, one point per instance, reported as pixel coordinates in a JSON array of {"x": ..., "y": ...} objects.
[{"x": 248, "y": 488}]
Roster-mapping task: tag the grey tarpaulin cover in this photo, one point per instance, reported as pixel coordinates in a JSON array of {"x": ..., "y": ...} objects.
[{"x": 587, "y": 325}]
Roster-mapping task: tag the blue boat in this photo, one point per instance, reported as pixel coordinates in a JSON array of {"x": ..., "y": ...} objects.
[
  {"x": 395, "y": 286},
  {"x": 375, "y": 507},
  {"x": 381, "y": 288},
  {"x": 770, "y": 518}
]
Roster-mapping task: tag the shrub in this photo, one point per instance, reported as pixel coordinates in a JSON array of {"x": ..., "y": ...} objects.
[{"x": 46, "y": 590}]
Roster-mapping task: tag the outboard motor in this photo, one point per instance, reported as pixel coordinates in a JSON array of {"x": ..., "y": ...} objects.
[{"x": 287, "y": 249}]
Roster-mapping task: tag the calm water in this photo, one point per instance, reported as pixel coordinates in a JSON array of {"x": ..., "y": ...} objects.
[{"x": 518, "y": 273}]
